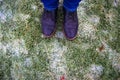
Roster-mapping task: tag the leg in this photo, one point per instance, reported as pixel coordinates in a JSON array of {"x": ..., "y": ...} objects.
[
  {"x": 70, "y": 18},
  {"x": 71, "y": 5},
  {"x": 48, "y": 19},
  {"x": 50, "y": 4}
]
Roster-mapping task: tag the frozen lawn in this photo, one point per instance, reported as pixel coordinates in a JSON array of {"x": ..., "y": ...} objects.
[{"x": 26, "y": 55}]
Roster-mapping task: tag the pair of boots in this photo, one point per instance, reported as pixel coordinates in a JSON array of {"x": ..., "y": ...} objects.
[{"x": 70, "y": 23}]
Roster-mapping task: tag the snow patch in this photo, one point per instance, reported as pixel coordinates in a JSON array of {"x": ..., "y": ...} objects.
[
  {"x": 37, "y": 19},
  {"x": 34, "y": 7},
  {"x": 116, "y": 3},
  {"x": 24, "y": 17},
  {"x": 1, "y": 35},
  {"x": 81, "y": 11},
  {"x": 21, "y": 16},
  {"x": 3, "y": 48},
  {"x": 94, "y": 19},
  {"x": 28, "y": 62},
  {"x": 88, "y": 31},
  {"x": 15, "y": 48},
  {"x": 85, "y": 46},
  {"x": 17, "y": 71},
  {"x": 2, "y": 17},
  {"x": 114, "y": 57},
  {"x": 94, "y": 73},
  {"x": 110, "y": 16},
  {"x": 59, "y": 34},
  {"x": 57, "y": 60},
  {"x": 5, "y": 13}
]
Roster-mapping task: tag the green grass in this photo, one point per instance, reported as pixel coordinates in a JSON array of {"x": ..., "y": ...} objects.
[{"x": 80, "y": 55}]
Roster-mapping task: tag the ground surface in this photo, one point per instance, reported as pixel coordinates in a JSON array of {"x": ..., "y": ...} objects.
[{"x": 26, "y": 55}]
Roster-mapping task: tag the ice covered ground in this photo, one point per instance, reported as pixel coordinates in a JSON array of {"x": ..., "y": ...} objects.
[{"x": 26, "y": 55}]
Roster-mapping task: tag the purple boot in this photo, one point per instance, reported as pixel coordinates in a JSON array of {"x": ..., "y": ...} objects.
[
  {"x": 70, "y": 25},
  {"x": 48, "y": 22}
]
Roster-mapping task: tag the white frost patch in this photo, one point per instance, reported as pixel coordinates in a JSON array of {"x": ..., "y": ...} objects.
[
  {"x": 34, "y": 7},
  {"x": 110, "y": 16},
  {"x": 59, "y": 34},
  {"x": 3, "y": 48},
  {"x": 17, "y": 70},
  {"x": 114, "y": 57},
  {"x": 87, "y": 31},
  {"x": 28, "y": 62},
  {"x": 85, "y": 46},
  {"x": 2, "y": 17},
  {"x": 24, "y": 16},
  {"x": 94, "y": 19},
  {"x": 95, "y": 71},
  {"x": 82, "y": 16},
  {"x": 5, "y": 13},
  {"x": 1, "y": 35},
  {"x": 116, "y": 3},
  {"x": 57, "y": 60},
  {"x": 116, "y": 62},
  {"x": 81, "y": 11},
  {"x": 21, "y": 16},
  {"x": 17, "y": 47},
  {"x": 37, "y": 19},
  {"x": 10, "y": 37}
]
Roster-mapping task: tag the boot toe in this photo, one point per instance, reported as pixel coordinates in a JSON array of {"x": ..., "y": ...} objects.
[
  {"x": 70, "y": 33},
  {"x": 48, "y": 31}
]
